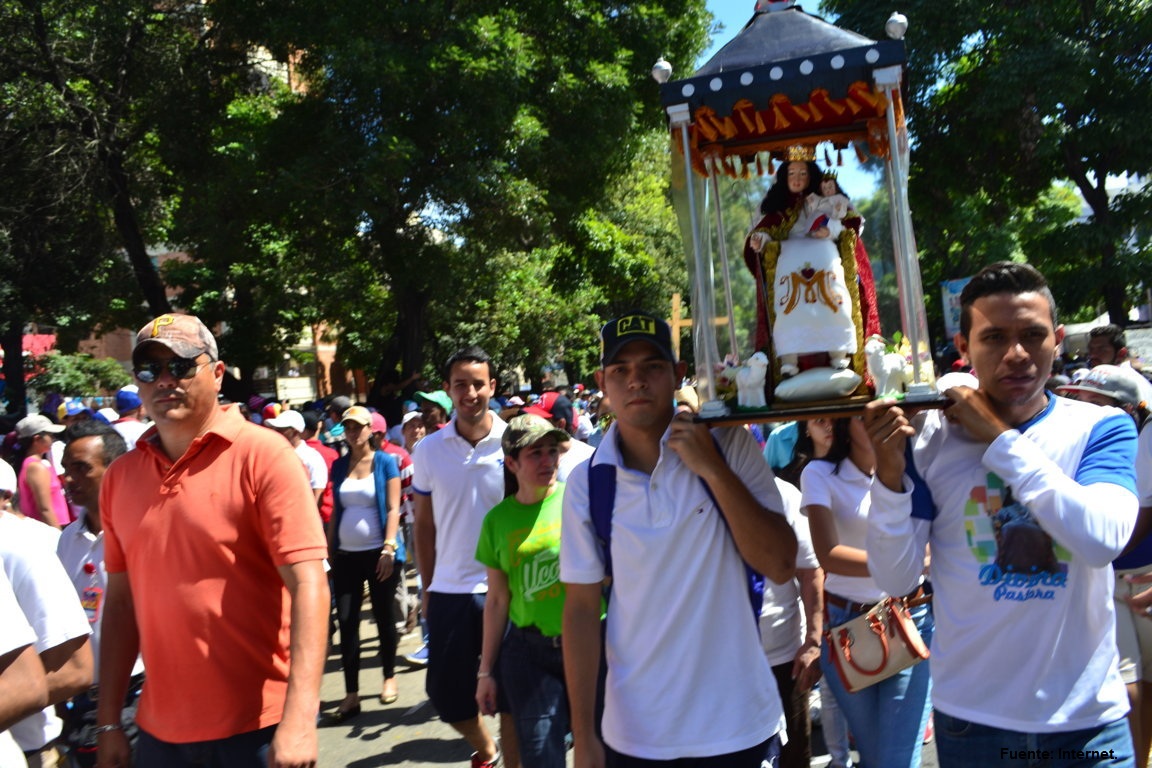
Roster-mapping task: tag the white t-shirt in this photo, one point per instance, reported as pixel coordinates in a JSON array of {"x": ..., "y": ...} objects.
[
  {"x": 782, "y": 619},
  {"x": 679, "y": 595},
  {"x": 464, "y": 481},
  {"x": 846, "y": 494},
  {"x": 578, "y": 452},
  {"x": 360, "y": 528},
  {"x": 46, "y": 596},
  {"x": 81, "y": 552},
  {"x": 1022, "y": 534},
  {"x": 314, "y": 465},
  {"x": 130, "y": 430},
  {"x": 15, "y": 632}
]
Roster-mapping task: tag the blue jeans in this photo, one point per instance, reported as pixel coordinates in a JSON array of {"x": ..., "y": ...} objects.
[
  {"x": 963, "y": 744},
  {"x": 244, "y": 750},
  {"x": 532, "y": 675},
  {"x": 887, "y": 719}
]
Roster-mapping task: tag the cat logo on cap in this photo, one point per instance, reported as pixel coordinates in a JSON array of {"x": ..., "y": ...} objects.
[{"x": 635, "y": 324}]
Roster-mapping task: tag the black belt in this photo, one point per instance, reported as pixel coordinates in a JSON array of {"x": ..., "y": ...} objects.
[
  {"x": 534, "y": 635},
  {"x": 922, "y": 594}
]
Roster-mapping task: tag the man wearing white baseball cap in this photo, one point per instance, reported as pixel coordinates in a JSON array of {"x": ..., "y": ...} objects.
[{"x": 291, "y": 424}]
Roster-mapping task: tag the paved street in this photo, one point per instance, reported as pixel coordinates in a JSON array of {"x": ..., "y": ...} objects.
[
  {"x": 405, "y": 733},
  {"x": 408, "y": 732}
]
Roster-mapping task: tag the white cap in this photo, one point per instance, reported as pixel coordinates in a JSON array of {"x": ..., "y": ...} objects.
[
  {"x": 287, "y": 420},
  {"x": 37, "y": 424}
]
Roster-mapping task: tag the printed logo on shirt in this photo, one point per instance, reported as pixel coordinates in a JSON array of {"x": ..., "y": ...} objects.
[
  {"x": 541, "y": 577},
  {"x": 538, "y": 560},
  {"x": 1019, "y": 560},
  {"x": 90, "y": 600}
]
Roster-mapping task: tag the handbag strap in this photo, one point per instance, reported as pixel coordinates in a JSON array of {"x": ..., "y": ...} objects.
[{"x": 876, "y": 626}]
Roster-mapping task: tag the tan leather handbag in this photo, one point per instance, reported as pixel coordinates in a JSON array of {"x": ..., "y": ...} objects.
[{"x": 876, "y": 645}]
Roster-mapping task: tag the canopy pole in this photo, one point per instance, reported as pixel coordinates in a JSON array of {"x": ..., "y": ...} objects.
[
  {"x": 703, "y": 298},
  {"x": 911, "y": 294},
  {"x": 722, "y": 245}
]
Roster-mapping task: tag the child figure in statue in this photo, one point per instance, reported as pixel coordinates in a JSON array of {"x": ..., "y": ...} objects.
[
  {"x": 830, "y": 206},
  {"x": 811, "y": 304}
]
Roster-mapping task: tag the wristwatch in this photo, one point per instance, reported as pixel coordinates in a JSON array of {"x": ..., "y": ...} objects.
[
  {"x": 108, "y": 728},
  {"x": 391, "y": 543}
]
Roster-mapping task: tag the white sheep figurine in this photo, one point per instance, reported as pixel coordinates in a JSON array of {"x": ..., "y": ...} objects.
[
  {"x": 888, "y": 369},
  {"x": 749, "y": 380}
]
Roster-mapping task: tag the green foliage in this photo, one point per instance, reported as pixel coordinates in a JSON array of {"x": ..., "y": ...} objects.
[
  {"x": 77, "y": 375},
  {"x": 1003, "y": 100},
  {"x": 379, "y": 169}
]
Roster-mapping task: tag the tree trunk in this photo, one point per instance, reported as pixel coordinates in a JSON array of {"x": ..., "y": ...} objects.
[
  {"x": 1113, "y": 288},
  {"x": 128, "y": 225},
  {"x": 12, "y": 342},
  {"x": 412, "y": 330},
  {"x": 403, "y": 354},
  {"x": 1115, "y": 298}
]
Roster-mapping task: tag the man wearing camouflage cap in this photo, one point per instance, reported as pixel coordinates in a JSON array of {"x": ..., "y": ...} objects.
[{"x": 214, "y": 553}]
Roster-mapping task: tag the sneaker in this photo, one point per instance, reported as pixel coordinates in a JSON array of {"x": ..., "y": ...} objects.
[
  {"x": 478, "y": 763},
  {"x": 418, "y": 658}
]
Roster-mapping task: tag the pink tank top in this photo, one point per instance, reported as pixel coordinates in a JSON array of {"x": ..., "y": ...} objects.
[{"x": 28, "y": 503}]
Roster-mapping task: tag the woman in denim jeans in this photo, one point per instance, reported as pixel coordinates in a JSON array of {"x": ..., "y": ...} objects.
[
  {"x": 887, "y": 719},
  {"x": 520, "y": 545}
]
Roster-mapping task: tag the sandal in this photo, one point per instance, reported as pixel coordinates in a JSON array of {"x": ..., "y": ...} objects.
[{"x": 340, "y": 716}]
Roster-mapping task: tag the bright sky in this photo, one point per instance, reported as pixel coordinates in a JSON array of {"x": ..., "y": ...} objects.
[{"x": 734, "y": 14}]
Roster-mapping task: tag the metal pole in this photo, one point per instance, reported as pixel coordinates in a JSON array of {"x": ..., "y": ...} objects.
[
  {"x": 703, "y": 299},
  {"x": 725, "y": 269},
  {"x": 908, "y": 279}
]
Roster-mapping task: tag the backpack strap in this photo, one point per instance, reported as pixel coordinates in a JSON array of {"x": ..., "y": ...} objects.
[{"x": 602, "y": 503}]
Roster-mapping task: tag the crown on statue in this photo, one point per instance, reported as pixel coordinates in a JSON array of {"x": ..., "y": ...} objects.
[
  {"x": 830, "y": 175},
  {"x": 800, "y": 153}
]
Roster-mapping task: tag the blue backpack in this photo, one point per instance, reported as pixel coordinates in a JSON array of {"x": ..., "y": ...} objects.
[{"x": 602, "y": 503}]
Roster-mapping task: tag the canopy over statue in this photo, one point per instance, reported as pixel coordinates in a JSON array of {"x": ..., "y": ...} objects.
[{"x": 786, "y": 84}]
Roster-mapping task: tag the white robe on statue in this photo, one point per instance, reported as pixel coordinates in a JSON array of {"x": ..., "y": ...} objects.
[{"x": 812, "y": 304}]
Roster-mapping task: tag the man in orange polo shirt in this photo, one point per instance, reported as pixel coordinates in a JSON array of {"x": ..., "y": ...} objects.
[{"x": 214, "y": 553}]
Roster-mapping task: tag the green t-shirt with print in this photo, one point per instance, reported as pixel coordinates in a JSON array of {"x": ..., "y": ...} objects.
[{"x": 523, "y": 541}]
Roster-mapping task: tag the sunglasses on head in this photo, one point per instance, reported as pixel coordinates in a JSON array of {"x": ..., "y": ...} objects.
[{"x": 180, "y": 368}]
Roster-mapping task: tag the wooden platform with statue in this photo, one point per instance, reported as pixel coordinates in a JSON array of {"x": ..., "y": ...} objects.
[{"x": 789, "y": 89}]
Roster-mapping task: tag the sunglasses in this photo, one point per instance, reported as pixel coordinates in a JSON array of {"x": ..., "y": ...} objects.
[{"x": 180, "y": 367}]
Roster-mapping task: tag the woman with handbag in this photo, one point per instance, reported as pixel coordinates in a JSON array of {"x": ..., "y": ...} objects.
[
  {"x": 886, "y": 717},
  {"x": 363, "y": 547}
]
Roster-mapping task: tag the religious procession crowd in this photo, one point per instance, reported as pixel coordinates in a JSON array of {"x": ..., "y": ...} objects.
[{"x": 606, "y": 574}]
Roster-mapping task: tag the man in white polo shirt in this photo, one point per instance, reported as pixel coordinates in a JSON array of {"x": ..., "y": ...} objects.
[
  {"x": 692, "y": 506},
  {"x": 458, "y": 477}
]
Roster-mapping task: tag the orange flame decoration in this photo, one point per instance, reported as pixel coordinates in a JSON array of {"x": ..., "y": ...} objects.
[{"x": 859, "y": 116}]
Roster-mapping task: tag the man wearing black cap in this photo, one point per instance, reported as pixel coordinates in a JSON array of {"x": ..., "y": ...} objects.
[
  {"x": 691, "y": 507},
  {"x": 214, "y": 554}
]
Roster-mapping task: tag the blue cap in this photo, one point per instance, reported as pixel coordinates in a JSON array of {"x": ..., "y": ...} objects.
[
  {"x": 73, "y": 408},
  {"x": 127, "y": 400}
]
